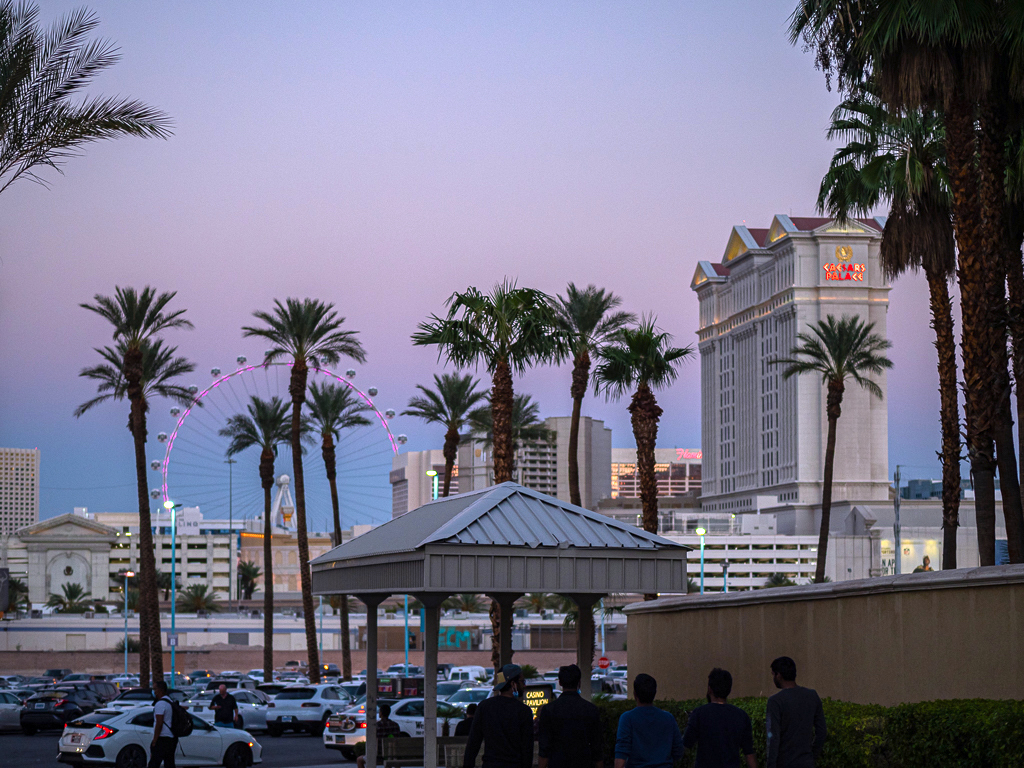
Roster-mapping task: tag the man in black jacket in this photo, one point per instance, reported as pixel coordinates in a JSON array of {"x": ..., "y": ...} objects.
[
  {"x": 503, "y": 724},
  {"x": 569, "y": 728},
  {"x": 796, "y": 720}
]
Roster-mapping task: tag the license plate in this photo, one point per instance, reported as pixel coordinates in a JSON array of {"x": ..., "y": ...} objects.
[
  {"x": 40, "y": 705},
  {"x": 76, "y": 738},
  {"x": 288, "y": 719},
  {"x": 339, "y": 739}
]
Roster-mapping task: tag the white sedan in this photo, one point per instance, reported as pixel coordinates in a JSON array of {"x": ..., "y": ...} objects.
[
  {"x": 349, "y": 728},
  {"x": 122, "y": 738},
  {"x": 252, "y": 707}
]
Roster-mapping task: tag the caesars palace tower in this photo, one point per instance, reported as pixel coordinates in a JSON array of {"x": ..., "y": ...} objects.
[{"x": 763, "y": 437}]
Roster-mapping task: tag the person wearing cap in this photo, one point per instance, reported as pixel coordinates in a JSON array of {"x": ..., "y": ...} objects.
[
  {"x": 503, "y": 725},
  {"x": 569, "y": 728}
]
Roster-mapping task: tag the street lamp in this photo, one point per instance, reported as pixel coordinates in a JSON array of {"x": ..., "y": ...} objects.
[
  {"x": 171, "y": 507},
  {"x": 725, "y": 577},
  {"x": 127, "y": 575},
  {"x": 701, "y": 532},
  {"x": 432, "y": 474},
  {"x": 231, "y": 525}
]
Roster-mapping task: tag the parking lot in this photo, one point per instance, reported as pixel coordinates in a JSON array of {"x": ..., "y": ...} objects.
[{"x": 290, "y": 750}]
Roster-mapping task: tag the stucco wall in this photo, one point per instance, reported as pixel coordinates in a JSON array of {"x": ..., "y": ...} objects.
[{"x": 939, "y": 635}]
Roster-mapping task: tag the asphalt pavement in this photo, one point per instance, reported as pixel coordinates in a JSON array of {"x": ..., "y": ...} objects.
[{"x": 288, "y": 751}]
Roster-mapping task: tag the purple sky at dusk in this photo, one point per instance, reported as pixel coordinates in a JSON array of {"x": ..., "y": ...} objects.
[{"x": 383, "y": 155}]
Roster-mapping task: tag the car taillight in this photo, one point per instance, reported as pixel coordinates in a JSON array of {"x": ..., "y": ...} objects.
[
  {"x": 362, "y": 725},
  {"x": 59, "y": 702},
  {"x": 310, "y": 704},
  {"x": 104, "y": 732}
]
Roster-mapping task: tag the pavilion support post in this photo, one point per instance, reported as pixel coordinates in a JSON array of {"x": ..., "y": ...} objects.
[
  {"x": 506, "y": 605},
  {"x": 585, "y": 639},
  {"x": 371, "y": 602},
  {"x": 432, "y": 629}
]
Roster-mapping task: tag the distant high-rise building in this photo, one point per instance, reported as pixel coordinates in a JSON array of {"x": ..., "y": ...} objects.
[
  {"x": 763, "y": 435},
  {"x": 678, "y": 472},
  {"x": 417, "y": 477},
  {"x": 19, "y": 488}
]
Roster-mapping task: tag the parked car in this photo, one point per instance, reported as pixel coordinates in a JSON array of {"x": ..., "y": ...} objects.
[
  {"x": 10, "y": 711},
  {"x": 256, "y": 674},
  {"x": 463, "y": 697},
  {"x": 81, "y": 677},
  {"x": 106, "y": 691},
  {"x": 355, "y": 688},
  {"x": 135, "y": 697},
  {"x": 347, "y": 729},
  {"x": 270, "y": 690},
  {"x": 122, "y": 682},
  {"x": 36, "y": 683},
  {"x": 446, "y": 688},
  {"x": 252, "y": 708},
  {"x": 468, "y": 673},
  {"x": 329, "y": 670},
  {"x": 200, "y": 673},
  {"x": 123, "y": 738},
  {"x": 54, "y": 709},
  {"x": 231, "y": 682},
  {"x": 401, "y": 669},
  {"x": 305, "y": 708},
  {"x": 57, "y": 674}
]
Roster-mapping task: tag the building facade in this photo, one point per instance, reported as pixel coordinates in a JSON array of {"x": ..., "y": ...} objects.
[
  {"x": 417, "y": 477},
  {"x": 678, "y": 471},
  {"x": 19, "y": 488},
  {"x": 763, "y": 436}
]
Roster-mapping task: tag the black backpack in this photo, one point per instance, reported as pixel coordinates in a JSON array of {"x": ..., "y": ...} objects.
[{"x": 181, "y": 720}]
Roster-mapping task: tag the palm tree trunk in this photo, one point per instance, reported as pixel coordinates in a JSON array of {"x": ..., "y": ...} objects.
[
  {"x": 495, "y": 615},
  {"x": 949, "y": 412},
  {"x": 1015, "y": 285},
  {"x": 974, "y": 339},
  {"x": 346, "y": 645},
  {"x": 297, "y": 390},
  {"x": 833, "y": 409},
  {"x": 578, "y": 390},
  {"x": 267, "y": 480},
  {"x": 644, "y": 414},
  {"x": 502, "y": 398},
  {"x": 451, "y": 453},
  {"x": 331, "y": 465}
]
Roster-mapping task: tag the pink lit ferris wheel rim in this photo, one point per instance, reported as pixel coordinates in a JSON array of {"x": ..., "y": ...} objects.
[{"x": 249, "y": 369}]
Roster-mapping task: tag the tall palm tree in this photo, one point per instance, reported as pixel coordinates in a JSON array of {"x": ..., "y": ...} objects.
[
  {"x": 538, "y": 601},
  {"x": 42, "y": 124},
  {"x": 526, "y": 427},
  {"x": 265, "y": 426},
  {"x": 248, "y": 575},
  {"x": 838, "y": 350},
  {"x": 898, "y": 158},
  {"x": 332, "y": 410},
  {"x": 198, "y": 597},
  {"x": 137, "y": 368},
  {"x": 308, "y": 331},
  {"x": 73, "y": 599},
  {"x": 469, "y": 603},
  {"x": 642, "y": 360},
  {"x": 507, "y": 330},
  {"x": 589, "y": 323},
  {"x": 448, "y": 404}
]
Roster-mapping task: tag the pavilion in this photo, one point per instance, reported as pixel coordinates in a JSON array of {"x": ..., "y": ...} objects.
[{"x": 503, "y": 541}]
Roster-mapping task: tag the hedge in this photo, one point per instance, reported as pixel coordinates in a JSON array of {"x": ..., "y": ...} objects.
[{"x": 972, "y": 733}]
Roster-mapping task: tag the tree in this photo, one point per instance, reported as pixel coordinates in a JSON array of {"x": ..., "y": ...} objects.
[
  {"x": 163, "y": 583},
  {"x": 265, "y": 426},
  {"x": 589, "y": 324},
  {"x": 838, "y": 350},
  {"x": 899, "y": 158},
  {"x": 448, "y": 404},
  {"x": 41, "y": 72},
  {"x": 535, "y": 602},
  {"x": 334, "y": 409},
  {"x": 17, "y": 593},
  {"x": 468, "y": 603},
  {"x": 137, "y": 368},
  {"x": 308, "y": 331},
  {"x": 73, "y": 599},
  {"x": 198, "y": 597},
  {"x": 641, "y": 360},
  {"x": 526, "y": 427},
  {"x": 248, "y": 573},
  {"x": 780, "y": 580}
]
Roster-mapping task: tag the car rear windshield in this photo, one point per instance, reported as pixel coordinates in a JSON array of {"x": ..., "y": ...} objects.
[
  {"x": 136, "y": 696},
  {"x": 93, "y": 719},
  {"x": 295, "y": 694}
]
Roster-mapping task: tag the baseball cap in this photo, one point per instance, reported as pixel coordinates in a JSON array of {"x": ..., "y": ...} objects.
[{"x": 506, "y": 673}]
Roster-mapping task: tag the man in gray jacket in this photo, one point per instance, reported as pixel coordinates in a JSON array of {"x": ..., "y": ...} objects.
[{"x": 796, "y": 720}]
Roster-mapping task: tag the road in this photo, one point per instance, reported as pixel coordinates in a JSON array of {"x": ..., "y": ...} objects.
[{"x": 288, "y": 751}]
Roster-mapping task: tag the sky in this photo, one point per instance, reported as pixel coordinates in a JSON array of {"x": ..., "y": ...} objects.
[{"x": 381, "y": 156}]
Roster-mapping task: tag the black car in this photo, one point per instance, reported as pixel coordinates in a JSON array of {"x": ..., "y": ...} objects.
[
  {"x": 55, "y": 709},
  {"x": 106, "y": 691}
]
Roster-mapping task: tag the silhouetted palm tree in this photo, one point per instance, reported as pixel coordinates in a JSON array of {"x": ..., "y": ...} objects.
[
  {"x": 73, "y": 599},
  {"x": 308, "y": 331},
  {"x": 248, "y": 574},
  {"x": 198, "y": 597},
  {"x": 526, "y": 428},
  {"x": 838, "y": 350},
  {"x": 469, "y": 603}
]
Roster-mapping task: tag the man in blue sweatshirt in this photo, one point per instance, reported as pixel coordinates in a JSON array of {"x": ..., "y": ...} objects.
[{"x": 648, "y": 737}]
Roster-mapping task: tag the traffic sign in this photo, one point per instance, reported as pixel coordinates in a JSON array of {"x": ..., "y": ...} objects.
[
  {"x": 604, "y": 662},
  {"x": 172, "y": 640}
]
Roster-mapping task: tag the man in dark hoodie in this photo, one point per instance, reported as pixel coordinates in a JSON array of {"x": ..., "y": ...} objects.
[{"x": 503, "y": 724}]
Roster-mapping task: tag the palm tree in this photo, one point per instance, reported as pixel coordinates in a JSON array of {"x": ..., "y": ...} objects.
[
  {"x": 899, "y": 158},
  {"x": 837, "y": 350},
  {"x": 248, "y": 574},
  {"x": 309, "y": 332},
  {"x": 448, "y": 404},
  {"x": 17, "y": 593},
  {"x": 641, "y": 360},
  {"x": 163, "y": 583},
  {"x": 265, "y": 426},
  {"x": 198, "y": 597},
  {"x": 589, "y": 324},
  {"x": 41, "y": 73},
  {"x": 468, "y": 603},
  {"x": 780, "y": 580},
  {"x": 536, "y": 602},
  {"x": 526, "y": 428},
  {"x": 136, "y": 368},
  {"x": 507, "y": 330},
  {"x": 72, "y": 600},
  {"x": 333, "y": 409}
]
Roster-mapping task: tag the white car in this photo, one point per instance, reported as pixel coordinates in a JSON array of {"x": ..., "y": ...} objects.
[
  {"x": 252, "y": 708},
  {"x": 256, "y": 674},
  {"x": 122, "y": 739},
  {"x": 138, "y": 697},
  {"x": 305, "y": 708},
  {"x": 10, "y": 712},
  {"x": 349, "y": 728},
  {"x": 463, "y": 697}
]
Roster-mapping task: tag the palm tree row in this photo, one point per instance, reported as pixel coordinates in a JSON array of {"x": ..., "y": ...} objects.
[{"x": 959, "y": 62}]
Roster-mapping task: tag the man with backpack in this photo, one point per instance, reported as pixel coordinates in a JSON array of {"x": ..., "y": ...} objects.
[{"x": 165, "y": 743}]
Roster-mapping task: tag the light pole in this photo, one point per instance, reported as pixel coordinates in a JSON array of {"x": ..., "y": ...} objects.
[
  {"x": 432, "y": 474},
  {"x": 127, "y": 575},
  {"x": 725, "y": 577},
  {"x": 172, "y": 508},
  {"x": 406, "y": 635},
  {"x": 700, "y": 532},
  {"x": 231, "y": 526}
]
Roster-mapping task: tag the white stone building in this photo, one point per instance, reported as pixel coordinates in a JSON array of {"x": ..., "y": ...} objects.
[{"x": 19, "y": 488}]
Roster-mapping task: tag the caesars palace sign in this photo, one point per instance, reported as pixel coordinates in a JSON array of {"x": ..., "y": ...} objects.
[{"x": 842, "y": 269}]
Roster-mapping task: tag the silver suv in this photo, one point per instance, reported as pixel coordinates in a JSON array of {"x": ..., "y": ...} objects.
[{"x": 305, "y": 708}]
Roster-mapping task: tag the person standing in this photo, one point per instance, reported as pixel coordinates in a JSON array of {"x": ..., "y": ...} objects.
[
  {"x": 465, "y": 724},
  {"x": 225, "y": 708},
  {"x": 719, "y": 730},
  {"x": 503, "y": 724},
  {"x": 386, "y": 728},
  {"x": 648, "y": 737},
  {"x": 569, "y": 728},
  {"x": 796, "y": 720},
  {"x": 164, "y": 744}
]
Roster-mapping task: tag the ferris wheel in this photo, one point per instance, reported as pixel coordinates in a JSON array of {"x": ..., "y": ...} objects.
[{"x": 196, "y": 471}]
